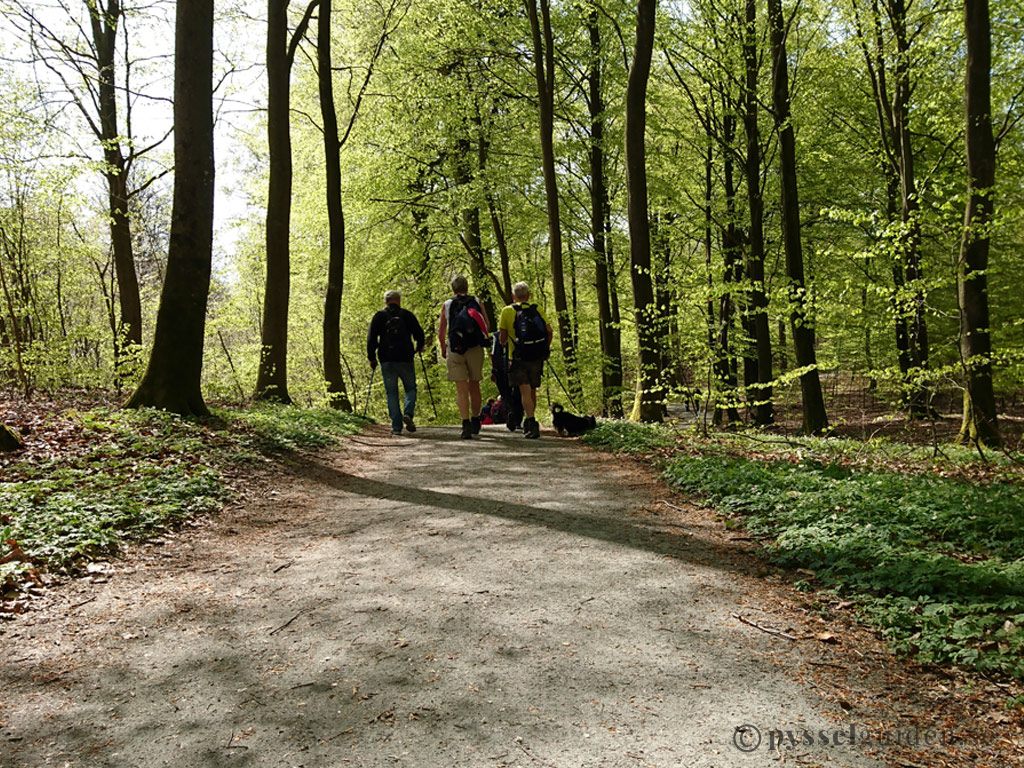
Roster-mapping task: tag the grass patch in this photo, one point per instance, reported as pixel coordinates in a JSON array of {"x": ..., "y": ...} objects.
[
  {"x": 629, "y": 437},
  {"x": 927, "y": 546},
  {"x": 93, "y": 480}
]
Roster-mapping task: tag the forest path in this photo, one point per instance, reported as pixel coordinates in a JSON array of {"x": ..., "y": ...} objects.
[{"x": 428, "y": 602}]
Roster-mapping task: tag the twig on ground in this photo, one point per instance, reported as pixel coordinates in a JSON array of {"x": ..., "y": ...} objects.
[
  {"x": 755, "y": 625},
  {"x": 533, "y": 756},
  {"x": 671, "y": 506},
  {"x": 289, "y": 564},
  {"x": 293, "y": 618}
]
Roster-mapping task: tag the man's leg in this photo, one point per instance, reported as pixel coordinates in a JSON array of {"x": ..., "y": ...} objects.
[
  {"x": 390, "y": 377},
  {"x": 529, "y": 395},
  {"x": 462, "y": 397},
  {"x": 475, "y": 400},
  {"x": 407, "y": 372}
]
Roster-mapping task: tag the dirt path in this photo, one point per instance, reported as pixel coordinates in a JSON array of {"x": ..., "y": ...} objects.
[{"x": 373, "y": 608}]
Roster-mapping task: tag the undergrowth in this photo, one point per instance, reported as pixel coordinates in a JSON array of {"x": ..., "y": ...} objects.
[
  {"x": 93, "y": 480},
  {"x": 932, "y": 559}
]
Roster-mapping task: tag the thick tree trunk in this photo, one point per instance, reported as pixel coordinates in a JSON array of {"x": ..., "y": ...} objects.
[
  {"x": 650, "y": 405},
  {"x": 543, "y": 55},
  {"x": 272, "y": 378},
  {"x": 172, "y": 380},
  {"x": 979, "y": 423},
  {"x": 336, "y": 392},
  {"x": 761, "y": 395},
  {"x": 9, "y": 440},
  {"x": 815, "y": 420}
]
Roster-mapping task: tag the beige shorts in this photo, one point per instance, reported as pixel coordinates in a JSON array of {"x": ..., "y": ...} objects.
[{"x": 467, "y": 367}]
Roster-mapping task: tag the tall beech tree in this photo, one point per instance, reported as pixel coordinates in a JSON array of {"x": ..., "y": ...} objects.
[
  {"x": 544, "y": 74},
  {"x": 760, "y": 394},
  {"x": 815, "y": 420},
  {"x": 272, "y": 376},
  {"x": 173, "y": 378},
  {"x": 892, "y": 109},
  {"x": 650, "y": 403},
  {"x": 600, "y": 226},
  {"x": 337, "y": 396},
  {"x": 979, "y": 421}
]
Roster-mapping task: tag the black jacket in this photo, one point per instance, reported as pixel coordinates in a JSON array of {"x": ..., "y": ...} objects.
[{"x": 377, "y": 346}]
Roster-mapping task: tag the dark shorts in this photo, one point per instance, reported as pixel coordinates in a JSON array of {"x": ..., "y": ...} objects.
[{"x": 525, "y": 372}]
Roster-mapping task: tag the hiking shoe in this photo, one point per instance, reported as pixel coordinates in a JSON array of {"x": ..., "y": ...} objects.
[
  {"x": 409, "y": 425},
  {"x": 467, "y": 429},
  {"x": 396, "y": 432},
  {"x": 531, "y": 429},
  {"x": 476, "y": 425}
]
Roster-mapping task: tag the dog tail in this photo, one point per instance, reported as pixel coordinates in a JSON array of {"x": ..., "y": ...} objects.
[{"x": 556, "y": 408}]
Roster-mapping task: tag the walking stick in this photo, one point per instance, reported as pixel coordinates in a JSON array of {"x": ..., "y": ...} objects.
[
  {"x": 366, "y": 405},
  {"x": 426, "y": 378}
]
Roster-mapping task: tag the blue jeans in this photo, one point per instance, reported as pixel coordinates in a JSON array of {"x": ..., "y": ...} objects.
[{"x": 391, "y": 373}]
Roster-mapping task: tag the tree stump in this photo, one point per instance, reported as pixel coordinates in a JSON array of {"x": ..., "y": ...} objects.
[{"x": 9, "y": 439}]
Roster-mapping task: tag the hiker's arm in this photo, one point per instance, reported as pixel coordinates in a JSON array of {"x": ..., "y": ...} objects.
[
  {"x": 418, "y": 335},
  {"x": 442, "y": 334}
]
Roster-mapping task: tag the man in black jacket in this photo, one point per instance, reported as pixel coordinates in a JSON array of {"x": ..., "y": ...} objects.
[{"x": 393, "y": 332}]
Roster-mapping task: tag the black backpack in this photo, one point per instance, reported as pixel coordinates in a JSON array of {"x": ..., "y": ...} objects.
[
  {"x": 531, "y": 337},
  {"x": 465, "y": 325},
  {"x": 395, "y": 335}
]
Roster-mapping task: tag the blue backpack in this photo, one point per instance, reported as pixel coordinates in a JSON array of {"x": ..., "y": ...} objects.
[
  {"x": 465, "y": 325},
  {"x": 531, "y": 334}
]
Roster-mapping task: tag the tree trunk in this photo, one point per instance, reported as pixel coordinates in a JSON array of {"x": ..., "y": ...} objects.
[
  {"x": 272, "y": 378},
  {"x": 611, "y": 353},
  {"x": 336, "y": 393},
  {"x": 815, "y": 420},
  {"x": 104, "y": 25},
  {"x": 908, "y": 252},
  {"x": 9, "y": 440},
  {"x": 650, "y": 404},
  {"x": 172, "y": 380},
  {"x": 470, "y": 214},
  {"x": 543, "y": 56},
  {"x": 610, "y": 361},
  {"x": 761, "y": 395},
  {"x": 725, "y": 372},
  {"x": 979, "y": 422}
]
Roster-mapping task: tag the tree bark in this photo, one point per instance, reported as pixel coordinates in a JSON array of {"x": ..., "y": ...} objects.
[
  {"x": 336, "y": 392},
  {"x": 815, "y": 420},
  {"x": 272, "y": 377},
  {"x": 544, "y": 72},
  {"x": 979, "y": 421},
  {"x": 731, "y": 245},
  {"x": 650, "y": 404},
  {"x": 611, "y": 349},
  {"x": 762, "y": 394},
  {"x": 104, "y": 24},
  {"x": 172, "y": 380},
  {"x": 9, "y": 440}
]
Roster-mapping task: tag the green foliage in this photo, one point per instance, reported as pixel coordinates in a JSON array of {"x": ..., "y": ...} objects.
[
  {"x": 121, "y": 476},
  {"x": 932, "y": 561},
  {"x": 629, "y": 437}
]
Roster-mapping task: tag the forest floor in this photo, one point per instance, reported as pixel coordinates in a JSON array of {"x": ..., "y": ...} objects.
[{"x": 424, "y": 601}]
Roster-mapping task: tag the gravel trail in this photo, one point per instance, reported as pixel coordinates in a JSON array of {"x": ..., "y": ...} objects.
[{"x": 425, "y": 602}]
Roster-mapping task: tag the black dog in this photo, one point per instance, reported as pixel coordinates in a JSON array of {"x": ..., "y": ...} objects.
[{"x": 570, "y": 425}]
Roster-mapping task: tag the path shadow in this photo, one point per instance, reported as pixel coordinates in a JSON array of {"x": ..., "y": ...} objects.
[{"x": 660, "y": 536}]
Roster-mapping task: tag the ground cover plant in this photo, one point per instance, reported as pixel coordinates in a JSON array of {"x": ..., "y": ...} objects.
[
  {"x": 926, "y": 547},
  {"x": 95, "y": 477}
]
